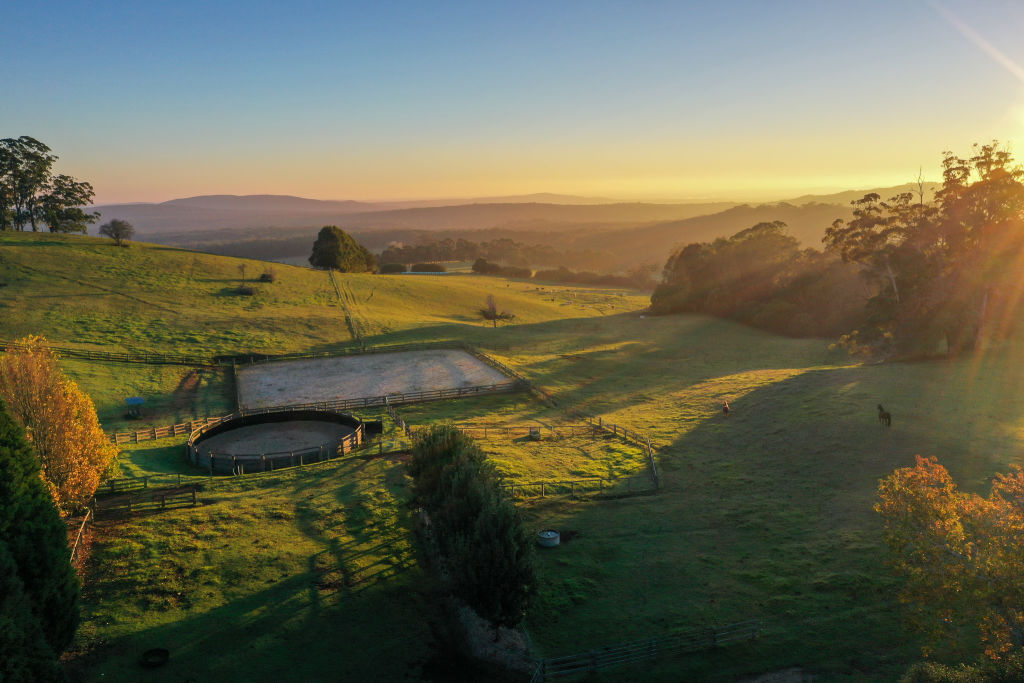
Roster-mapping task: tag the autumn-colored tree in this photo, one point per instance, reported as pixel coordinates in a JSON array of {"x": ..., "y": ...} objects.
[
  {"x": 59, "y": 420},
  {"x": 959, "y": 555}
]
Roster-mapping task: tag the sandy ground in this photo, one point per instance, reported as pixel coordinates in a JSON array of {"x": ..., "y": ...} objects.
[
  {"x": 275, "y": 437},
  {"x": 327, "y": 379}
]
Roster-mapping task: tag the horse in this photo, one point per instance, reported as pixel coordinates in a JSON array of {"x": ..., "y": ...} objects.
[
  {"x": 884, "y": 416},
  {"x": 725, "y": 409}
]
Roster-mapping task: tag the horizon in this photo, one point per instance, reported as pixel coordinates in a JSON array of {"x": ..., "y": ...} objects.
[{"x": 659, "y": 103}]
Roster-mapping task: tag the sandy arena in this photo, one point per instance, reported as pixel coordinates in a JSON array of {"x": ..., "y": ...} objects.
[
  {"x": 275, "y": 437},
  {"x": 328, "y": 379}
]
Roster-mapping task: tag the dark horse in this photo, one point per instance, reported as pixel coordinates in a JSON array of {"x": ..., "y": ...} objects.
[
  {"x": 725, "y": 409},
  {"x": 884, "y": 416}
]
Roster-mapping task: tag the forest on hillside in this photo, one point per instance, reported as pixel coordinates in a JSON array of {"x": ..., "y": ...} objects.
[{"x": 903, "y": 276}]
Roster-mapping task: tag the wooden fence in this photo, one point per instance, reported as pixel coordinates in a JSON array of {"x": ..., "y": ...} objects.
[
  {"x": 151, "y": 433},
  {"x": 605, "y": 486},
  {"x": 622, "y": 654},
  {"x": 150, "y": 500},
  {"x": 121, "y": 356},
  {"x": 343, "y": 404},
  {"x": 78, "y": 537}
]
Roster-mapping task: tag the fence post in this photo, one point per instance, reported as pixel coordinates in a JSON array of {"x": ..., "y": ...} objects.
[
  {"x": 542, "y": 494},
  {"x": 573, "y": 485},
  {"x": 194, "y": 500}
]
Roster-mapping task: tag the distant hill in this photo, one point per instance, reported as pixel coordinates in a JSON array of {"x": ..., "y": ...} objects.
[
  {"x": 853, "y": 195},
  {"x": 655, "y": 242},
  {"x": 218, "y": 212}
]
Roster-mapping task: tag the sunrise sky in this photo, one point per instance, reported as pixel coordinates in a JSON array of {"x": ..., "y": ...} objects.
[{"x": 394, "y": 100}]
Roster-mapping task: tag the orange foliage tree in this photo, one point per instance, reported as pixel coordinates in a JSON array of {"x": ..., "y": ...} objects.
[
  {"x": 59, "y": 419},
  {"x": 961, "y": 556}
]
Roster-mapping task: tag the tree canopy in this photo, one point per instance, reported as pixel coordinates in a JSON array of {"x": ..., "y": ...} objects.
[
  {"x": 336, "y": 249},
  {"x": 959, "y": 555},
  {"x": 30, "y": 194},
  {"x": 118, "y": 230},
  {"x": 760, "y": 276},
  {"x": 38, "y": 587},
  {"x": 60, "y": 420},
  {"x": 479, "y": 532},
  {"x": 944, "y": 273}
]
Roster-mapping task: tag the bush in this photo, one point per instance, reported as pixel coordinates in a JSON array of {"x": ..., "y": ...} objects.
[
  {"x": 392, "y": 268},
  {"x": 269, "y": 275},
  {"x": 428, "y": 268},
  {"x": 245, "y": 290}
]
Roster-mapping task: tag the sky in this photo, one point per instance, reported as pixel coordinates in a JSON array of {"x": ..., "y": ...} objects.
[{"x": 407, "y": 100}]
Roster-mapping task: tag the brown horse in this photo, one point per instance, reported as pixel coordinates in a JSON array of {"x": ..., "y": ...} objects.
[
  {"x": 884, "y": 416},
  {"x": 725, "y": 409}
]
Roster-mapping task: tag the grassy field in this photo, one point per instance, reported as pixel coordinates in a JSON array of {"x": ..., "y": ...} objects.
[
  {"x": 270, "y": 578},
  {"x": 766, "y": 514},
  {"x": 85, "y": 292},
  {"x": 173, "y": 393}
]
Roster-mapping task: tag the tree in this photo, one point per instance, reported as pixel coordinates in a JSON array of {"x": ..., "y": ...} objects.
[
  {"x": 29, "y": 192},
  {"x": 479, "y": 532},
  {"x": 959, "y": 555},
  {"x": 490, "y": 312},
  {"x": 60, "y": 206},
  {"x": 38, "y": 587},
  {"x": 337, "y": 250},
  {"x": 59, "y": 419},
  {"x": 118, "y": 230},
  {"x": 941, "y": 271}
]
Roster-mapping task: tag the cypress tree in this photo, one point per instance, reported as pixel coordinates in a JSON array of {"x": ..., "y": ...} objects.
[
  {"x": 26, "y": 656},
  {"x": 35, "y": 540}
]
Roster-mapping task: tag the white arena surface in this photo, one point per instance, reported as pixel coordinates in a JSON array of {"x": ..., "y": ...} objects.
[{"x": 328, "y": 379}]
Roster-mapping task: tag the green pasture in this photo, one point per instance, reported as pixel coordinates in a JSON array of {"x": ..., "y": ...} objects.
[
  {"x": 173, "y": 393},
  {"x": 765, "y": 514},
  {"x": 269, "y": 578},
  {"x": 85, "y": 292}
]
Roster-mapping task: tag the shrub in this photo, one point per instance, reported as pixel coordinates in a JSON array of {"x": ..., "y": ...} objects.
[
  {"x": 392, "y": 268},
  {"x": 269, "y": 275},
  {"x": 428, "y": 268},
  {"x": 245, "y": 290}
]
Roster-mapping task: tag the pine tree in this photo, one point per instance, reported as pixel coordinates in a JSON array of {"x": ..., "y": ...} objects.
[{"x": 35, "y": 540}]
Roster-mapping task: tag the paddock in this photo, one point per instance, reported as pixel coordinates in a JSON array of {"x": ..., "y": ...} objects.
[
  {"x": 329, "y": 379},
  {"x": 271, "y": 440}
]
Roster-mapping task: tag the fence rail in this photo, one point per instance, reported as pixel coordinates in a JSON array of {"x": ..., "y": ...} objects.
[
  {"x": 620, "y": 654},
  {"x": 339, "y": 404},
  {"x": 147, "y": 501},
  {"x": 78, "y": 536}
]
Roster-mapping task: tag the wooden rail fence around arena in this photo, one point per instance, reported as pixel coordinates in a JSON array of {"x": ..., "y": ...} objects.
[
  {"x": 518, "y": 382},
  {"x": 631, "y": 652},
  {"x": 339, "y": 404}
]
